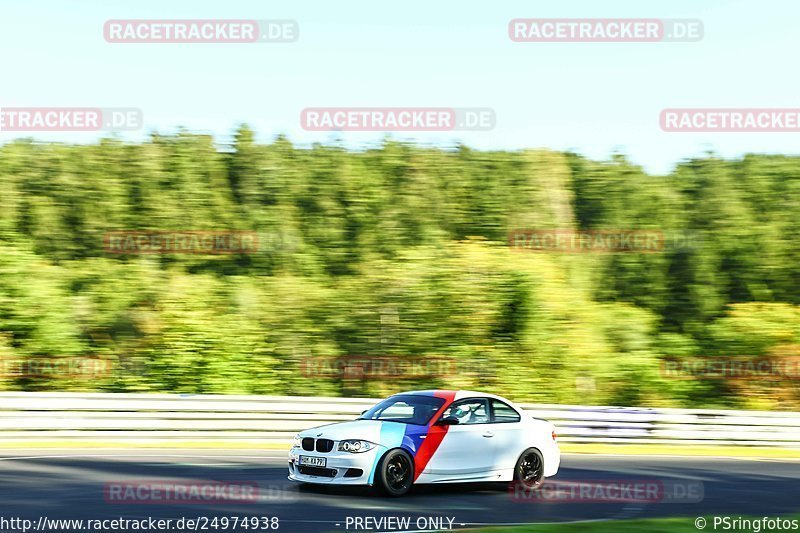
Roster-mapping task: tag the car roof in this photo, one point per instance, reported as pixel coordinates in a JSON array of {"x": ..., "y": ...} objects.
[{"x": 457, "y": 394}]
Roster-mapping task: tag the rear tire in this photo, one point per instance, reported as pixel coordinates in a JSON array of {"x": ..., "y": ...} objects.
[
  {"x": 395, "y": 473},
  {"x": 529, "y": 471}
]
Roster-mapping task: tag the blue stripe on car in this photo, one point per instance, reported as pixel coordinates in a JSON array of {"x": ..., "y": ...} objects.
[
  {"x": 414, "y": 437},
  {"x": 392, "y": 436}
]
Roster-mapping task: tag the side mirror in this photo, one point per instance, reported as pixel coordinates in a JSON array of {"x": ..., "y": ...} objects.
[{"x": 448, "y": 421}]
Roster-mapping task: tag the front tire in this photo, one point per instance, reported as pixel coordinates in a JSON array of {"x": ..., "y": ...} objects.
[
  {"x": 395, "y": 473},
  {"x": 529, "y": 471}
]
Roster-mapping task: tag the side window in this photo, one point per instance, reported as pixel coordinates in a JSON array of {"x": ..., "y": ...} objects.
[
  {"x": 503, "y": 412},
  {"x": 471, "y": 411}
]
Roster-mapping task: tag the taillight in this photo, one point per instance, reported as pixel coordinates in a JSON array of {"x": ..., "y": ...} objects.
[{"x": 554, "y": 435}]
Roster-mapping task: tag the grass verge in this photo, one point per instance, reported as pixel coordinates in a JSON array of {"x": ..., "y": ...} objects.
[
  {"x": 651, "y": 525},
  {"x": 690, "y": 450}
]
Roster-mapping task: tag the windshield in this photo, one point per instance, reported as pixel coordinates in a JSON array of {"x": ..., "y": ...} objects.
[{"x": 408, "y": 409}]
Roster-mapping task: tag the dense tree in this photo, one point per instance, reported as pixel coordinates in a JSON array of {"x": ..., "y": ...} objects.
[{"x": 397, "y": 251}]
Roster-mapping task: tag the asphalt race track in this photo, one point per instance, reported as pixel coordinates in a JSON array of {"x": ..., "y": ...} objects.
[{"x": 70, "y": 484}]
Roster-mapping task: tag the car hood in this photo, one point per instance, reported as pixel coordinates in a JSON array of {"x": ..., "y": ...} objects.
[{"x": 356, "y": 429}]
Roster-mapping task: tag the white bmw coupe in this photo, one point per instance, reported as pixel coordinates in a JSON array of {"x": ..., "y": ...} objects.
[{"x": 434, "y": 436}]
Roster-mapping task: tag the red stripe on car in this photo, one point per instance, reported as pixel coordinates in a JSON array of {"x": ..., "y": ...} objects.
[{"x": 435, "y": 435}]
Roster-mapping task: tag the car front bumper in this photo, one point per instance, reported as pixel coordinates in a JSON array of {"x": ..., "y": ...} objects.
[{"x": 341, "y": 468}]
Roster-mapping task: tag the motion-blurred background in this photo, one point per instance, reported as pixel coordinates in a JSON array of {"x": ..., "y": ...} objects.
[{"x": 398, "y": 251}]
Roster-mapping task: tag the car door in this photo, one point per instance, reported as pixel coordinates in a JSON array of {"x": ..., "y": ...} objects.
[
  {"x": 508, "y": 434},
  {"x": 466, "y": 451}
]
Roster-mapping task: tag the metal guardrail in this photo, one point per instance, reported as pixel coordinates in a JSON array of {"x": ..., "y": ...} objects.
[{"x": 275, "y": 419}]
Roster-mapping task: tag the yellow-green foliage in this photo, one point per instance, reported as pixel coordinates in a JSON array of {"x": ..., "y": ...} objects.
[{"x": 396, "y": 251}]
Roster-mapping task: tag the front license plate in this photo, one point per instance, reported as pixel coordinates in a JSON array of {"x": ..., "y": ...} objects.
[{"x": 312, "y": 461}]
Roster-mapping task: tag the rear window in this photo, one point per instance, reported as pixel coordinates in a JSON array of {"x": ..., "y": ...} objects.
[{"x": 504, "y": 412}]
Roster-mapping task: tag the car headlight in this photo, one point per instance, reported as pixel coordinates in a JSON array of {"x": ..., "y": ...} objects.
[
  {"x": 298, "y": 441},
  {"x": 355, "y": 446}
]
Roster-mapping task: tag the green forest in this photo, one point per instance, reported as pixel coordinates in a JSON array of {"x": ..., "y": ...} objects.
[{"x": 398, "y": 251}]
